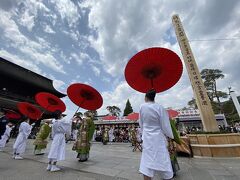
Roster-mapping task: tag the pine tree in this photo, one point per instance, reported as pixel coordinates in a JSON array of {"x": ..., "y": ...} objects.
[{"x": 128, "y": 109}]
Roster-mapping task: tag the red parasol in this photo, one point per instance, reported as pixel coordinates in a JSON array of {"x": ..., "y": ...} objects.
[
  {"x": 172, "y": 113},
  {"x": 153, "y": 68},
  {"x": 85, "y": 96},
  {"x": 12, "y": 115},
  {"x": 50, "y": 102},
  {"x": 29, "y": 110}
]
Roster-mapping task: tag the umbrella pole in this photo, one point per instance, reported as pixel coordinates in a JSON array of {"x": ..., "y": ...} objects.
[
  {"x": 45, "y": 109},
  {"x": 76, "y": 110},
  {"x": 78, "y": 107}
]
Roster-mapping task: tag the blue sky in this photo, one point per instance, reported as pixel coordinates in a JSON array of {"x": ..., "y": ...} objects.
[{"x": 91, "y": 42}]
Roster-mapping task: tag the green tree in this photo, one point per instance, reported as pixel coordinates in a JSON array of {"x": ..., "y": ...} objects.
[
  {"x": 192, "y": 103},
  {"x": 94, "y": 112},
  {"x": 114, "y": 110},
  {"x": 230, "y": 111},
  {"x": 210, "y": 77},
  {"x": 128, "y": 109}
]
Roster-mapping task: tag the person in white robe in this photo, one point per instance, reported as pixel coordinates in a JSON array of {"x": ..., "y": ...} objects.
[
  {"x": 111, "y": 135},
  {"x": 5, "y": 136},
  {"x": 60, "y": 128},
  {"x": 155, "y": 125},
  {"x": 94, "y": 135},
  {"x": 20, "y": 144}
]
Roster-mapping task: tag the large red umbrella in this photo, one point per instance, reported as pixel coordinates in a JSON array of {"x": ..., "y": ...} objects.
[
  {"x": 153, "y": 68},
  {"x": 85, "y": 96},
  {"x": 12, "y": 114},
  {"x": 29, "y": 110},
  {"x": 50, "y": 102}
]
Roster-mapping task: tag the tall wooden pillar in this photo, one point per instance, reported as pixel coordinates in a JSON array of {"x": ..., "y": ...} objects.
[{"x": 206, "y": 112}]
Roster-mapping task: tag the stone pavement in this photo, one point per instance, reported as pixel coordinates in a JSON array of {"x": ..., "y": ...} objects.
[{"x": 116, "y": 161}]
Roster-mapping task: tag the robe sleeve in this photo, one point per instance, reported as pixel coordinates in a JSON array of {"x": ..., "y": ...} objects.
[
  {"x": 26, "y": 129},
  {"x": 165, "y": 123},
  {"x": 66, "y": 127},
  {"x": 53, "y": 131},
  {"x": 140, "y": 120},
  {"x": 8, "y": 131},
  {"x": 91, "y": 129}
]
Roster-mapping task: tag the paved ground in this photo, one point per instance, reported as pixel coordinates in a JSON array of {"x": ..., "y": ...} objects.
[{"x": 109, "y": 162}]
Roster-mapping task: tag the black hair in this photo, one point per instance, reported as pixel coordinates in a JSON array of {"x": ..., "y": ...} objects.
[
  {"x": 151, "y": 94},
  {"x": 24, "y": 118},
  {"x": 57, "y": 114}
]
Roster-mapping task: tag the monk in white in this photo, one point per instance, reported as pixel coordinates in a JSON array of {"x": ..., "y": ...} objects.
[
  {"x": 111, "y": 135},
  {"x": 19, "y": 146},
  {"x": 5, "y": 136},
  {"x": 155, "y": 125},
  {"x": 60, "y": 128}
]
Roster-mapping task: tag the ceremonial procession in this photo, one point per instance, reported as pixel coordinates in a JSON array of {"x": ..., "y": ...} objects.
[{"x": 127, "y": 90}]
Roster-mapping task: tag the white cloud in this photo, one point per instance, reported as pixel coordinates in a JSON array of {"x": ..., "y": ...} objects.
[
  {"x": 64, "y": 57},
  {"x": 73, "y": 81},
  {"x": 29, "y": 10},
  {"x": 176, "y": 97},
  {"x": 38, "y": 52},
  {"x": 27, "y": 20},
  {"x": 119, "y": 96},
  {"x": 96, "y": 70},
  {"x": 118, "y": 30},
  {"x": 105, "y": 79},
  {"x": 122, "y": 29},
  {"x": 59, "y": 85},
  {"x": 73, "y": 35},
  {"x": 47, "y": 59},
  {"x": 24, "y": 63},
  {"x": 68, "y": 11},
  {"x": 48, "y": 29},
  {"x": 80, "y": 57}
]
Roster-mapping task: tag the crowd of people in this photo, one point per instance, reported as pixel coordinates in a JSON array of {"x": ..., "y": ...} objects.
[
  {"x": 59, "y": 130},
  {"x": 115, "y": 134},
  {"x": 233, "y": 128},
  {"x": 155, "y": 136}
]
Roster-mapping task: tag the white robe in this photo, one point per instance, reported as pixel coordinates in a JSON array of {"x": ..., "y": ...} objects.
[
  {"x": 21, "y": 141},
  {"x": 5, "y": 136},
  {"x": 155, "y": 125},
  {"x": 57, "y": 149},
  {"x": 111, "y": 135},
  {"x": 94, "y": 135}
]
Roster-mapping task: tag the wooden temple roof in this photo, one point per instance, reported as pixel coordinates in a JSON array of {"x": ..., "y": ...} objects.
[{"x": 19, "y": 84}]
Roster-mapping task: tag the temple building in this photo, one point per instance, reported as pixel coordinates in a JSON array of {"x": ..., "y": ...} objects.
[
  {"x": 190, "y": 118},
  {"x": 18, "y": 84},
  {"x": 187, "y": 118},
  {"x": 118, "y": 122}
]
